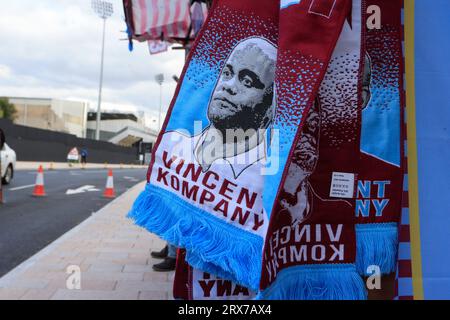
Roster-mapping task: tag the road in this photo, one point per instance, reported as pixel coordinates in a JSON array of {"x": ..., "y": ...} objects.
[{"x": 28, "y": 224}]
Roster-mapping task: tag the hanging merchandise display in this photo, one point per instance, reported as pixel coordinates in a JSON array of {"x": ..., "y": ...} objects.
[
  {"x": 212, "y": 196},
  {"x": 280, "y": 171}
]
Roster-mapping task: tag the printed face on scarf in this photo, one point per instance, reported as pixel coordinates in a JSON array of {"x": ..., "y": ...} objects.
[
  {"x": 306, "y": 153},
  {"x": 243, "y": 97},
  {"x": 295, "y": 198}
]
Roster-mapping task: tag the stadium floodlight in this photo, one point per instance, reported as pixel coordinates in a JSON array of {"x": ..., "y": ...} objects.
[
  {"x": 159, "y": 78},
  {"x": 104, "y": 10}
]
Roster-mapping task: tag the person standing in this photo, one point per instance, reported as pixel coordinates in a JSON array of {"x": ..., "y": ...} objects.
[
  {"x": 169, "y": 254},
  {"x": 84, "y": 155}
]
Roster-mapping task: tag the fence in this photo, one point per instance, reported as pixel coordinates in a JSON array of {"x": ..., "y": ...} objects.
[{"x": 31, "y": 144}]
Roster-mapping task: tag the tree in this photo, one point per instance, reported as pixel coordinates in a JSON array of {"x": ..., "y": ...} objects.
[{"x": 7, "y": 110}]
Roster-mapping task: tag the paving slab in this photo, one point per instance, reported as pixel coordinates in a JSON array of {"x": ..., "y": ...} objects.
[{"x": 109, "y": 253}]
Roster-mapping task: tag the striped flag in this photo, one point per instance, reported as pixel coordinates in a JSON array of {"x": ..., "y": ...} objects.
[
  {"x": 167, "y": 20},
  {"x": 424, "y": 254}
]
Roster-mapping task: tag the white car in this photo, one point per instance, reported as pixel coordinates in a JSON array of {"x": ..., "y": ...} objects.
[{"x": 8, "y": 161}]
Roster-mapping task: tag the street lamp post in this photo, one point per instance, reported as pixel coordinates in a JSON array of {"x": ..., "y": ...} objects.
[
  {"x": 159, "y": 78},
  {"x": 104, "y": 10}
]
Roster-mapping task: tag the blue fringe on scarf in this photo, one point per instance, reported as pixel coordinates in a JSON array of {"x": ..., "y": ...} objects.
[
  {"x": 212, "y": 245},
  {"x": 376, "y": 245},
  {"x": 212, "y": 268},
  {"x": 316, "y": 282}
]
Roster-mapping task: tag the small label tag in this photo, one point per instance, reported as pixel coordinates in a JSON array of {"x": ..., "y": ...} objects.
[{"x": 342, "y": 185}]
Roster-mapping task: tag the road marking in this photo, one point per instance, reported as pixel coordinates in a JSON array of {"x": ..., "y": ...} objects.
[
  {"x": 82, "y": 189},
  {"x": 132, "y": 179},
  {"x": 22, "y": 187},
  {"x": 45, "y": 172}
]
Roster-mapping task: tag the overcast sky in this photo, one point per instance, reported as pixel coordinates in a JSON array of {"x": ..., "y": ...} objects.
[{"x": 51, "y": 49}]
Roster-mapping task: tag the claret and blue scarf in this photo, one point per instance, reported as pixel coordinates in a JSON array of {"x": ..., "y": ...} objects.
[{"x": 255, "y": 172}]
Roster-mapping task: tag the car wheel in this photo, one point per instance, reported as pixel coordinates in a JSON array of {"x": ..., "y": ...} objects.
[{"x": 8, "y": 175}]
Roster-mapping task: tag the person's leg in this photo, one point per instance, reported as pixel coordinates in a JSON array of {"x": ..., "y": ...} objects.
[
  {"x": 162, "y": 254},
  {"x": 169, "y": 262},
  {"x": 172, "y": 251}
]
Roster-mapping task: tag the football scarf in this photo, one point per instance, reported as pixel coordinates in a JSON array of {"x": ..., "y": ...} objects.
[
  {"x": 204, "y": 185},
  {"x": 213, "y": 194},
  {"x": 193, "y": 284},
  {"x": 310, "y": 246},
  {"x": 380, "y": 175}
]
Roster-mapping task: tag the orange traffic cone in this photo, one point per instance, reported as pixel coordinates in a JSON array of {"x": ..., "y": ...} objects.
[
  {"x": 39, "y": 190},
  {"x": 109, "y": 189}
]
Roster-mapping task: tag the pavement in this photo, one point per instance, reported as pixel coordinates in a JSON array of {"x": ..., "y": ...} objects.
[
  {"x": 110, "y": 253},
  {"x": 34, "y": 165}
]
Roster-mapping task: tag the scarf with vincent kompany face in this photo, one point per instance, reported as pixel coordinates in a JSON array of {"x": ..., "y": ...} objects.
[
  {"x": 310, "y": 247},
  {"x": 232, "y": 128},
  {"x": 380, "y": 179}
]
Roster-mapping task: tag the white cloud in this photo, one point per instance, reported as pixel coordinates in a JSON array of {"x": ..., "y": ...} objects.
[
  {"x": 52, "y": 49},
  {"x": 4, "y": 71}
]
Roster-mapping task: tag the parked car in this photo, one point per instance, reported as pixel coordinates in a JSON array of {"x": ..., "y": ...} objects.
[{"x": 8, "y": 158}]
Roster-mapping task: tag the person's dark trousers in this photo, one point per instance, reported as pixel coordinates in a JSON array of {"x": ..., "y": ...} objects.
[{"x": 169, "y": 254}]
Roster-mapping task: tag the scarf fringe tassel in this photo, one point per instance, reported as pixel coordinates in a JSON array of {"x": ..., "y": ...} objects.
[
  {"x": 211, "y": 244},
  {"x": 316, "y": 282},
  {"x": 376, "y": 245}
]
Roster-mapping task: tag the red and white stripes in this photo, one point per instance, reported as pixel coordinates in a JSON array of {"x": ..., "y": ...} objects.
[
  {"x": 404, "y": 285},
  {"x": 161, "y": 19}
]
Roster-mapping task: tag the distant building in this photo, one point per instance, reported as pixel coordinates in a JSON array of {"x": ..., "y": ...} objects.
[
  {"x": 51, "y": 114},
  {"x": 120, "y": 128}
]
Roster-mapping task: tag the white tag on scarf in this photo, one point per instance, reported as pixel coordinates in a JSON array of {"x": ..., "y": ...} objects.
[{"x": 342, "y": 185}]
